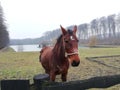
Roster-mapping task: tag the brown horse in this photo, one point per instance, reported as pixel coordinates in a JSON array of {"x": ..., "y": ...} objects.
[{"x": 56, "y": 60}]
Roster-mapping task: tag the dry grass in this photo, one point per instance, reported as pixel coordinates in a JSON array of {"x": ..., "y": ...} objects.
[
  {"x": 24, "y": 65},
  {"x": 19, "y": 65}
]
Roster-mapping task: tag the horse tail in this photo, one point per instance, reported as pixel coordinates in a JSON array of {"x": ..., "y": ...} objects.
[{"x": 40, "y": 54}]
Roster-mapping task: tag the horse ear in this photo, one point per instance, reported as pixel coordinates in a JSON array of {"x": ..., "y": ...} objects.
[
  {"x": 75, "y": 29},
  {"x": 63, "y": 30}
]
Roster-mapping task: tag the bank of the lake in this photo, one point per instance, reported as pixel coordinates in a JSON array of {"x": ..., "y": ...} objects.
[{"x": 26, "y": 48}]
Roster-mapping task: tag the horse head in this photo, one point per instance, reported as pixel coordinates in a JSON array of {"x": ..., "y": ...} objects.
[{"x": 70, "y": 43}]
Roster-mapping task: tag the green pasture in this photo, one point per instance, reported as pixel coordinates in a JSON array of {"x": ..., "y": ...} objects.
[
  {"x": 20, "y": 65},
  {"x": 24, "y": 65}
]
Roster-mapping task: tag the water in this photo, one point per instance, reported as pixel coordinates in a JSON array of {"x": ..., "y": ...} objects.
[
  {"x": 25, "y": 48},
  {"x": 29, "y": 48}
]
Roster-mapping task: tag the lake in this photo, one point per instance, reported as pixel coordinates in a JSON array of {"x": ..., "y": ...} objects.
[
  {"x": 29, "y": 48},
  {"x": 25, "y": 48}
]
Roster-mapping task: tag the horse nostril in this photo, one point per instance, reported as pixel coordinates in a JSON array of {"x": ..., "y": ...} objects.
[{"x": 75, "y": 63}]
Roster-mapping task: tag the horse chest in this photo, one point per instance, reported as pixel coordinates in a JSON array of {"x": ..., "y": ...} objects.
[{"x": 62, "y": 68}]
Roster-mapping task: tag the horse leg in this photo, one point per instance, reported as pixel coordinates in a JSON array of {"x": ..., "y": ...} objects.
[
  {"x": 52, "y": 76},
  {"x": 64, "y": 77}
]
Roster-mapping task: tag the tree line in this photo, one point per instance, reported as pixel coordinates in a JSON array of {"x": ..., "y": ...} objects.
[{"x": 105, "y": 30}]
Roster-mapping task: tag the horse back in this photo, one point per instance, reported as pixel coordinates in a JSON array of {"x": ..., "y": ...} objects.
[{"x": 45, "y": 52}]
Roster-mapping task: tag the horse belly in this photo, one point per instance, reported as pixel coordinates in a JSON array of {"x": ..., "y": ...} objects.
[{"x": 45, "y": 58}]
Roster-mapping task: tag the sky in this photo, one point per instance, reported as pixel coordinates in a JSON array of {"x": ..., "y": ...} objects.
[{"x": 32, "y": 18}]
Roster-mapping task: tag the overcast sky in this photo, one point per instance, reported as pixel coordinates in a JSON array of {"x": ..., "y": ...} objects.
[{"x": 31, "y": 18}]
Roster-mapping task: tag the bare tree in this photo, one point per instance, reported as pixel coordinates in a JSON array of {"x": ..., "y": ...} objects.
[
  {"x": 103, "y": 27},
  {"x": 118, "y": 24},
  {"x": 94, "y": 27},
  {"x": 4, "y": 36},
  {"x": 111, "y": 25},
  {"x": 83, "y": 31}
]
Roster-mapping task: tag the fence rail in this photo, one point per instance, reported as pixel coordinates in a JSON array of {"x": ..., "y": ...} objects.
[
  {"x": 42, "y": 83},
  {"x": 94, "y": 59}
]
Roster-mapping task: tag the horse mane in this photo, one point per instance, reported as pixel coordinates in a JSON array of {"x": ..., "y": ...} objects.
[
  {"x": 59, "y": 38},
  {"x": 70, "y": 31},
  {"x": 58, "y": 49}
]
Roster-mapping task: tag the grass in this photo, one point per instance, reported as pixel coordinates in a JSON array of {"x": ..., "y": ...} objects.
[
  {"x": 20, "y": 65},
  {"x": 24, "y": 65}
]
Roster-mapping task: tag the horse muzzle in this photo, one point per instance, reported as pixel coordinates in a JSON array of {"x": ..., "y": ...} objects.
[
  {"x": 75, "y": 63},
  {"x": 73, "y": 58}
]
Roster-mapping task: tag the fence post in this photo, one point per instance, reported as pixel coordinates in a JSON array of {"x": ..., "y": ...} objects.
[
  {"x": 15, "y": 85},
  {"x": 39, "y": 80}
]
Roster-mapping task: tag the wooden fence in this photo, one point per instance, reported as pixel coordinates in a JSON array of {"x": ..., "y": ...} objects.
[
  {"x": 41, "y": 83},
  {"x": 94, "y": 59}
]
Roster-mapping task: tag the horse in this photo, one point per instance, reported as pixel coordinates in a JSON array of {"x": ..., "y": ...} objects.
[{"x": 56, "y": 60}]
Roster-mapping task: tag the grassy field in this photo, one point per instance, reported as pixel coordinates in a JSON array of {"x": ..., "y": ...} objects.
[{"x": 24, "y": 65}]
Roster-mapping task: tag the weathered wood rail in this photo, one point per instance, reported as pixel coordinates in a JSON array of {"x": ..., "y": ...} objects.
[
  {"x": 15, "y": 85},
  {"x": 41, "y": 83},
  {"x": 95, "y": 82},
  {"x": 94, "y": 59}
]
